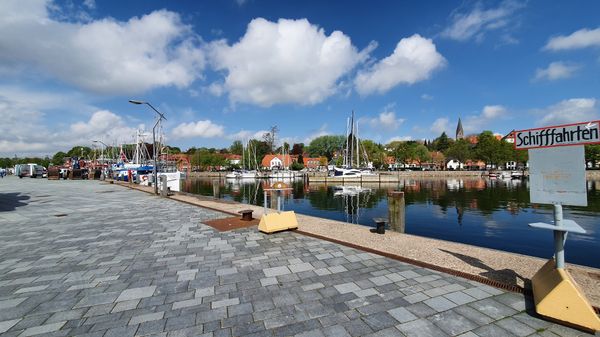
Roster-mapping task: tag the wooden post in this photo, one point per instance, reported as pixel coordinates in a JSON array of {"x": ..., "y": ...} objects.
[
  {"x": 396, "y": 212},
  {"x": 216, "y": 188}
]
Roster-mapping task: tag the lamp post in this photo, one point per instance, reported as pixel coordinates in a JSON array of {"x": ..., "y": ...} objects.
[
  {"x": 104, "y": 146},
  {"x": 160, "y": 117}
]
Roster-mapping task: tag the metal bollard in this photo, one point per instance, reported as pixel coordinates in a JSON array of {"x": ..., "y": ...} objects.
[{"x": 380, "y": 223}]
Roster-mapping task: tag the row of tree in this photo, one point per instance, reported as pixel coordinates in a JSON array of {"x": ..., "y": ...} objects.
[{"x": 488, "y": 149}]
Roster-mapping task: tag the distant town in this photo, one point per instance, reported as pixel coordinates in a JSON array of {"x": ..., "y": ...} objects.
[{"x": 484, "y": 151}]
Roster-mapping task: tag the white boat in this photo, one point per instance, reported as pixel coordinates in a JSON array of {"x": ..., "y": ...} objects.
[
  {"x": 282, "y": 174},
  {"x": 517, "y": 175},
  {"x": 242, "y": 174},
  {"x": 349, "y": 190},
  {"x": 346, "y": 172},
  {"x": 353, "y": 165}
]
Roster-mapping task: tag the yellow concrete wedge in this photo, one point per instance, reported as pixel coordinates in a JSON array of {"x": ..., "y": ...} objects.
[{"x": 557, "y": 296}]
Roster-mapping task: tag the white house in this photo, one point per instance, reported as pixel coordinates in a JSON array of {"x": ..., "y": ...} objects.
[{"x": 454, "y": 164}]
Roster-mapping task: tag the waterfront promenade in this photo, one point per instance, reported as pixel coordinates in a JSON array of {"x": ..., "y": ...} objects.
[{"x": 84, "y": 258}]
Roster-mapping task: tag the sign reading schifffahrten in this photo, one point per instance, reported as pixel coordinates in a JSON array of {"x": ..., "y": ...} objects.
[{"x": 560, "y": 135}]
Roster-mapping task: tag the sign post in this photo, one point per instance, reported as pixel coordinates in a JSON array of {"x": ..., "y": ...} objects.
[{"x": 557, "y": 177}]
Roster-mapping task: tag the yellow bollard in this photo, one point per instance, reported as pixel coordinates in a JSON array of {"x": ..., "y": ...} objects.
[{"x": 557, "y": 296}]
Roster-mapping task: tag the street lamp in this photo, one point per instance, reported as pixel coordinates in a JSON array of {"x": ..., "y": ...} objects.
[
  {"x": 105, "y": 146},
  {"x": 160, "y": 117}
]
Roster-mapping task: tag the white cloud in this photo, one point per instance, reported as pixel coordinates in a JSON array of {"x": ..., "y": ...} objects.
[
  {"x": 476, "y": 22},
  {"x": 569, "y": 111},
  {"x": 91, "y": 4},
  {"x": 245, "y": 135},
  {"x": 386, "y": 120},
  {"x": 441, "y": 125},
  {"x": 583, "y": 38},
  {"x": 288, "y": 61},
  {"x": 489, "y": 114},
  {"x": 216, "y": 89},
  {"x": 102, "y": 56},
  {"x": 555, "y": 71},
  {"x": 399, "y": 139},
  {"x": 427, "y": 97},
  {"x": 414, "y": 59},
  {"x": 204, "y": 129}
]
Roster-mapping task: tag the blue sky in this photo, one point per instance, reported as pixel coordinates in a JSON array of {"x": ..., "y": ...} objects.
[{"x": 226, "y": 70}]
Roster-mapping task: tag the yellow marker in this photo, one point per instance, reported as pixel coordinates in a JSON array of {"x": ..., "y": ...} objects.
[
  {"x": 280, "y": 221},
  {"x": 557, "y": 296}
]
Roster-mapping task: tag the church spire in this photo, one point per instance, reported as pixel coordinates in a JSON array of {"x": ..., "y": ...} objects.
[{"x": 460, "y": 134}]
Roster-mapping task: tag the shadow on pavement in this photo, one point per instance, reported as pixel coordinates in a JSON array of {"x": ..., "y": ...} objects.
[{"x": 10, "y": 201}]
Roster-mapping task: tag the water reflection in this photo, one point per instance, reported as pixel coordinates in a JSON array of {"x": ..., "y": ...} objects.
[{"x": 484, "y": 212}]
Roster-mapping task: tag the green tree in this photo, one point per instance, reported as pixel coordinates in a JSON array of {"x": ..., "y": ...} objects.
[
  {"x": 236, "y": 147},
  {"x": 491, "y": 150},
  {"x": 404, "y": 152},
  {"x": 421, "y": 153},
  {"x": 460, "y": 150},
  {"x": 80, "y": 152},
  {"x": 592, "y": 154},
  {"x": 326, "y": 146},
  {"x": 442, "y": 143},
  {"x": 59, "y": 158}
]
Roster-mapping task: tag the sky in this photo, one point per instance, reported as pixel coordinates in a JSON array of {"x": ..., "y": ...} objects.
[{"x": 228, "y": 70}]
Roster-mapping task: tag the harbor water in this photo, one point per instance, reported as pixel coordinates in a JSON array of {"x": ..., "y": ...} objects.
[{"x": 485, "y": 212}]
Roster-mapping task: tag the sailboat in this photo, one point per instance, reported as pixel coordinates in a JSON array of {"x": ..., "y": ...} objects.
[
  {"x": 351, "y": 165},
  {"x": 244, "y": 173}
]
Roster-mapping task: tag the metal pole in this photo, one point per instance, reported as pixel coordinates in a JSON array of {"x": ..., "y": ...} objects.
[
  {"x": 265, "y": 203},
  {"x": 154, "y": 172},
  {"x": 559, "y": 238},
  {"x": 279, "y": 201}
]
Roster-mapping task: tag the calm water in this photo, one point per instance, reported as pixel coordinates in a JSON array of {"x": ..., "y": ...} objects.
[{"x": 481, "y": 212}]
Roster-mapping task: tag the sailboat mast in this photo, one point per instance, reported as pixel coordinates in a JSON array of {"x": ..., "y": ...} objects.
[
  {"x": 346, "y": 154},
  {"x": 357, "y": 153},
  {"x": 352, "y": 140}
]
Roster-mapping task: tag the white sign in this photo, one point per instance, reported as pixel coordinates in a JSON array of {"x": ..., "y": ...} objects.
[
  {"x": 560, "y": 135},
  {"x": 557, "y": 176}
]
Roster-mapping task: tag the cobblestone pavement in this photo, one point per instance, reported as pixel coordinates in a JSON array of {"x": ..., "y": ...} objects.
[{"x": 81, "y": 258}]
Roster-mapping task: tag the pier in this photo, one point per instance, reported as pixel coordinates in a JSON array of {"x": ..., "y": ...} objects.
[{"x": 88, "y": 258}]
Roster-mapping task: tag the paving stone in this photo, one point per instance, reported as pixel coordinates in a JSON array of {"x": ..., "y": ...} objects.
[
  {"x": 402, "y": 315},
  {"x": 187, "y": 303},
  {"x": 42, "y": 329},
  {"x": 420, "y": 328},
  {"x": 335, "y": 331},
  {"x": 492, "y": 308},
  {"x": 276, "y": 271},
  {"x": 347, "y": 287},
  {"x": 440, "y": 303},
  {"x": 146, "y": 318},
  {"x": 515, "y": 327},
  {"x": 136, "y": 293},
  {"x": 452, "y": 323},
  {"x": 225, "y": 303},
  {"x": 6, "y": 325},
  {"x": 491, "y": 330}
]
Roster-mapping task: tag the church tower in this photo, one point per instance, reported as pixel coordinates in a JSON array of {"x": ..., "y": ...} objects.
[{"x": 460, "y": 134}]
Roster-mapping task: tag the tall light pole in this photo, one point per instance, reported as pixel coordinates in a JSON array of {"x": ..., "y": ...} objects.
[
  {"x": 160, "y": 117},
  {"x": 104, "y": 146}
]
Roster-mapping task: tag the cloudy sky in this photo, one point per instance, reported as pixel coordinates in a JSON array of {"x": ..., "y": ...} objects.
[{"x": 230, "y": 69}]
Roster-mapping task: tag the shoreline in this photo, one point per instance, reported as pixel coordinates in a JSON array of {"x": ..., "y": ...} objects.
[
  {"x": 509, "y": 271},
  {"x": 385, "y": 176}
]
